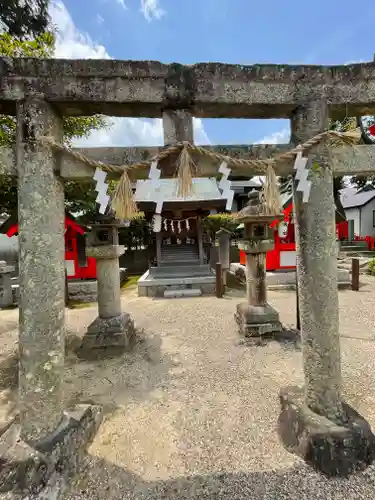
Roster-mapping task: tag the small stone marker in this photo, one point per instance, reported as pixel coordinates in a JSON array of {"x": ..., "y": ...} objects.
[
  {"x": 6, "y": 295},
  {"x": 224, "y": 251}
]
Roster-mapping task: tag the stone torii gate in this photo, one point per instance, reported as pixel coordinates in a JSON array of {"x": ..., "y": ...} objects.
[{"x": 315, "y": 423}]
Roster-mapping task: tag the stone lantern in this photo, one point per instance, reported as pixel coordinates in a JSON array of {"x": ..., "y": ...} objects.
[
  {"x": 112, "y": 327},
  {"x": 256, "y": 317}
]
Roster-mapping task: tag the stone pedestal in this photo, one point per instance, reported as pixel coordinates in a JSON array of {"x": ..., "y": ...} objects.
[
  {"x": 315, "y": 422},
  {"x": 45, "y": 467},
  {"x": 256, "y": 317},
  {"x": 6, "y": 295},
  {"x": 334, "y": 448},
  {"x": 112, "y": 327}
]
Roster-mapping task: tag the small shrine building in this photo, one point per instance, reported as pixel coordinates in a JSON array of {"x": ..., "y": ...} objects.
[{"x": 181, "y": 264}]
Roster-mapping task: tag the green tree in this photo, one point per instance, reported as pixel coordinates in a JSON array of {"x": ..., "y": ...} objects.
[
  {"x": 24, "y": 18},
  {"x": 79, "y": 197}
]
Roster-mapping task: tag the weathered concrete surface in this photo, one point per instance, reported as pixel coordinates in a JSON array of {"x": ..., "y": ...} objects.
[
  {"x": 42, "y": 276},
  {"x": 208, "y": 90},
  {"x": 317, "y": 270},
  {"x": 177, "y": 126}
]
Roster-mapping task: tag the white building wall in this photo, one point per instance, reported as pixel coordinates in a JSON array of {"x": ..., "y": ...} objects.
[
  {"x": 367, "y": 219},
  {"x": 353, "y": 214}
]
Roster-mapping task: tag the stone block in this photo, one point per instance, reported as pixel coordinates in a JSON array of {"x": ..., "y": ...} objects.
[
  {"x": 109, "y": 332},
  {"x": 255, "y": 321},
  {"x": 6, "y": 293},
  {"x": 29, "y": 468},
  {"x": 83, "y": 290},
  {"x": 105, "y": 251},
  {"x": 332, "y": 448}
]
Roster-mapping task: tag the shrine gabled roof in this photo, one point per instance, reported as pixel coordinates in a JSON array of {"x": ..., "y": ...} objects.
[{"x": 203, "y": 189}]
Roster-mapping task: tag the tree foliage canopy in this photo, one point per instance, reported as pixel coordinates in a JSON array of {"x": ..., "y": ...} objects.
[
  {"x": 78, "y": 197},
  {"x": 24, "y": 18}
]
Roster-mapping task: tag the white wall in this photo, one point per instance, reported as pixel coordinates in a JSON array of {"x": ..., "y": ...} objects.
[
  {"x": 363, "y": 219},
  {"x": 353, "y": 214},
  {"x": 367, "y": 225}
]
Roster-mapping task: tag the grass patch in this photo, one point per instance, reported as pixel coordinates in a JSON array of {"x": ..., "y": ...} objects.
[{"x": 131, "y": 281}]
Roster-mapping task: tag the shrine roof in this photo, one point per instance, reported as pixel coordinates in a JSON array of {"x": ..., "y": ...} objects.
[{"x": 203, "y": 189}]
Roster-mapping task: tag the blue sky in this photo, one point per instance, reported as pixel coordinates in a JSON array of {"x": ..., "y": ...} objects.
[{"x": 233, "y": 31}]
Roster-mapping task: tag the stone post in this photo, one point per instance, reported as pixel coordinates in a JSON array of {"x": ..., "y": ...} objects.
[
  {"x": 47, "y": 442},
  {"x": 6, "y": 294},
  {"x": 112, "y": 327},
  {"x": 315, "y": 423},
  {"x": 177, "y": 126},
  {"x": 200, "y": 240},
  {"x": 224, "y": 251},
  {"x": 317, "y": 271},
  {"x": 41, "y": 275}
]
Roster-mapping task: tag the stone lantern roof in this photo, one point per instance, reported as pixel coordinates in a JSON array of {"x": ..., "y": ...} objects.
[
  {"x": 255, "y": 211},
  {"x": 107, "y": 220}
]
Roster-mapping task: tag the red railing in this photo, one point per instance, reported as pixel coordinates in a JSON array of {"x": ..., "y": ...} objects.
[
  {"x": 370, "y": 240},
  {"x": 342, "y": 230}
]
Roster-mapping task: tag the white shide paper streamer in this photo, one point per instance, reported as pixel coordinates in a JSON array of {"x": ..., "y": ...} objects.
[
  {"x": 224, "y": 185},
  {"x": 304, "y": 185},
  {"x": 101, "y": 188}
]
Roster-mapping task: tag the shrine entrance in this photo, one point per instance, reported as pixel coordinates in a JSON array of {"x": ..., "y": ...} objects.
[{"x": 177, "y": 231}]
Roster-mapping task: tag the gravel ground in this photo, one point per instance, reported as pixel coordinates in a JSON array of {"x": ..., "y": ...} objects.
[{"x": 192, "y": 412}]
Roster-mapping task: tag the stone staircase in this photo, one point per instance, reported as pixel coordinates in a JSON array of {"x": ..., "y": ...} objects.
[
  {"x": 180, "y": 261},
  {"x": 356, "y": 249},
  {"x": 180, "y": 274}
]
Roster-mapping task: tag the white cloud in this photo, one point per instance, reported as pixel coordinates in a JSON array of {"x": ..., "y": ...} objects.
[
  {"x": 281, "y": 137},
  {"x": 359, "y": 61},
  {"x": 151, "y": 9},
  {"x": 72, "y": 44},
  {"x": 122, "y": 4},
  {"x": 99, "y": 19}
]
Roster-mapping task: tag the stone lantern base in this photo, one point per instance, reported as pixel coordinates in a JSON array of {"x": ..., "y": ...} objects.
[
  {"x": 109, "y": 332},
  {"x": 255, "y": 321}
]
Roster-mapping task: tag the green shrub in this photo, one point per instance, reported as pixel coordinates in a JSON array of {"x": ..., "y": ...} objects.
[
  {"x": 371, "y": 266},
  {"x": 213, "y": 223}
]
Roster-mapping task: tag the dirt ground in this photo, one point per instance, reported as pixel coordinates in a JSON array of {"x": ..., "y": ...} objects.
[{"x": 191, "y": 412}]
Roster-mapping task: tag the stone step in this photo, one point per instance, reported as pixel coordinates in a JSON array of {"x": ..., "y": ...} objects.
[
  {"x": 359, "y": 253},
  {"x": 354, "y": 248},
  {"x": 177, "y": 272},
  {"x": 184, "y": 292},
  {"x": 174, "y": 263},
  {"x": 176, "y": 252},
  {"x": 179, "y": 258}
]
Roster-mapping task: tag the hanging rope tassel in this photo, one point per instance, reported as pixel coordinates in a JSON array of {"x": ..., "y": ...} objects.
[
  {"x": 123, "y": 202},
  {"x": 270, "y": 195},
  {"x": 186, "y": 169}
]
